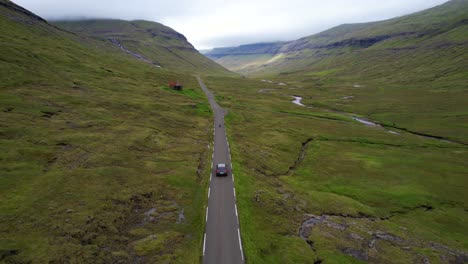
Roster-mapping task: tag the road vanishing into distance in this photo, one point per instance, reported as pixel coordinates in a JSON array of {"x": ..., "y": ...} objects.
[{"x": 222, "y": 240}]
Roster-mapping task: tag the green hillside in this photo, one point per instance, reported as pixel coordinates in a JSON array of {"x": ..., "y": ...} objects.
[
  {"x": 152, "y": 41},
  {"x": 100, "y": 161},
  {"x": 434, "y": 29},
  {"x": 440, "y": 27}
]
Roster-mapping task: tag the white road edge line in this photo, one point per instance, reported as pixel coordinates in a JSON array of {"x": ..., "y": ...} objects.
[
  {"x": 240, "y": 244},
  {"x": 209, "y": 187},
  {"x": 204, "y": 244}
]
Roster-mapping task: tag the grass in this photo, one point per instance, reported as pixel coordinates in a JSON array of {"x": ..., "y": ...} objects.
[
  {"x": 152, "y": 40},
  {"x": 97, "y": 160},
  {"x": 202, "y": 108},
  {"x": 364, "y": 177}
]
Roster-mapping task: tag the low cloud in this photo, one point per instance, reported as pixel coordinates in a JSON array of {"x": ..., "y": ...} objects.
[{"x": 215, "y": 23}]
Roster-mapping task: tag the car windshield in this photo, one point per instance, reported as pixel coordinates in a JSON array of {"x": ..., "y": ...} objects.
[{"x": 221, "y": 166}]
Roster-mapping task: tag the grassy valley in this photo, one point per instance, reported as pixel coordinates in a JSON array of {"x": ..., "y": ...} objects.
[
  {"x": 102, "y": 163},
  {"x": 406, "y": 72},
  {"x": 317, "y": 186}
]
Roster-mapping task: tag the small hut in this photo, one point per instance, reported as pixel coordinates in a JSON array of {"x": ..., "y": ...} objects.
[{"x": 175, "y": 86}]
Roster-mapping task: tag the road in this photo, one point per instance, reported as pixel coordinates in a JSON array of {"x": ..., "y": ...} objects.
[{"x": 222, "y": 241}]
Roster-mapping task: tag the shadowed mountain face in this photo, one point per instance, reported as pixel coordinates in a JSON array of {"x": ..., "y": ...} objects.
[
  {"x": 438, "y": 28},
  {"x": 148, "y": 41}
]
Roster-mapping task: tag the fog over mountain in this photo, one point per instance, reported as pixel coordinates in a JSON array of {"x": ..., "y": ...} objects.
[{"x": 215, "y": 23}]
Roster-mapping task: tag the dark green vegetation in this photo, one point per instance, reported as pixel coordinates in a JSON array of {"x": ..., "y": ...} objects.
[
  {"x": 314, "y": 185},
  {"x": 99, "y": 162},
  {"x": 148, "y": 40}
]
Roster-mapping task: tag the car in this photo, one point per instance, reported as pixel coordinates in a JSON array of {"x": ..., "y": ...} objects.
[{"x": 221, "y": 170}]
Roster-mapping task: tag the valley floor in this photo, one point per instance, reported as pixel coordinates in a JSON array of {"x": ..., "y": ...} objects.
[{"x": 320, "y": 186}]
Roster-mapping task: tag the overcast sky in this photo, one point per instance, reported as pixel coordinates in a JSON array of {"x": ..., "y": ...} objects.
[{"x": 218, "y": 23}]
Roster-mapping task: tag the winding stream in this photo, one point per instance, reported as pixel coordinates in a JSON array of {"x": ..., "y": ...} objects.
[
  {"x": 365, "y": 122},
  {"x": 297, "y": 101}
]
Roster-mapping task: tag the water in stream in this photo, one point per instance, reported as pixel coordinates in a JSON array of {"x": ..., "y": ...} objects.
[{"x": 297, "y": 100}]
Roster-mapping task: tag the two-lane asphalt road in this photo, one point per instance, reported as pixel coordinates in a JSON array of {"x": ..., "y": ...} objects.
[{"x": 222, "y": 241}]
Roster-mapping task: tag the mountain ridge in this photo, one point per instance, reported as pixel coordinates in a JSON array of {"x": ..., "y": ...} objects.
[
  {"x": 417, "y": 27},
  {"x": 151, "y": 41}
]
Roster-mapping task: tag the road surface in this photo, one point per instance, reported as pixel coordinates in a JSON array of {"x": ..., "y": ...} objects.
[{"x": 222, "y": 241}]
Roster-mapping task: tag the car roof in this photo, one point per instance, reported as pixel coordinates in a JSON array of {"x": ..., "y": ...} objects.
[{"x": 221, "y": 165}]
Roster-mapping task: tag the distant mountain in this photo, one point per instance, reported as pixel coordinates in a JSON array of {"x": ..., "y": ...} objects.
[
  {"x": 443, "y": 26},
  {"x": 148, "y": 41},
  {"x": 242, "y": 58},
  {"x": 258, "y": 48}
]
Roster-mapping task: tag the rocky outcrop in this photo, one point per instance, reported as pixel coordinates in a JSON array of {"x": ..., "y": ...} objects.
[{"x": 362, "y": 238}]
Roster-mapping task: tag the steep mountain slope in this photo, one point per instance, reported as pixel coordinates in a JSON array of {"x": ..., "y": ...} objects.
[
  {"x": 100, "y": 162},
  {"x": 440, "y": 27},
  {"x": 148, "y": 40},
  {"x": 432, "y": 30}
]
